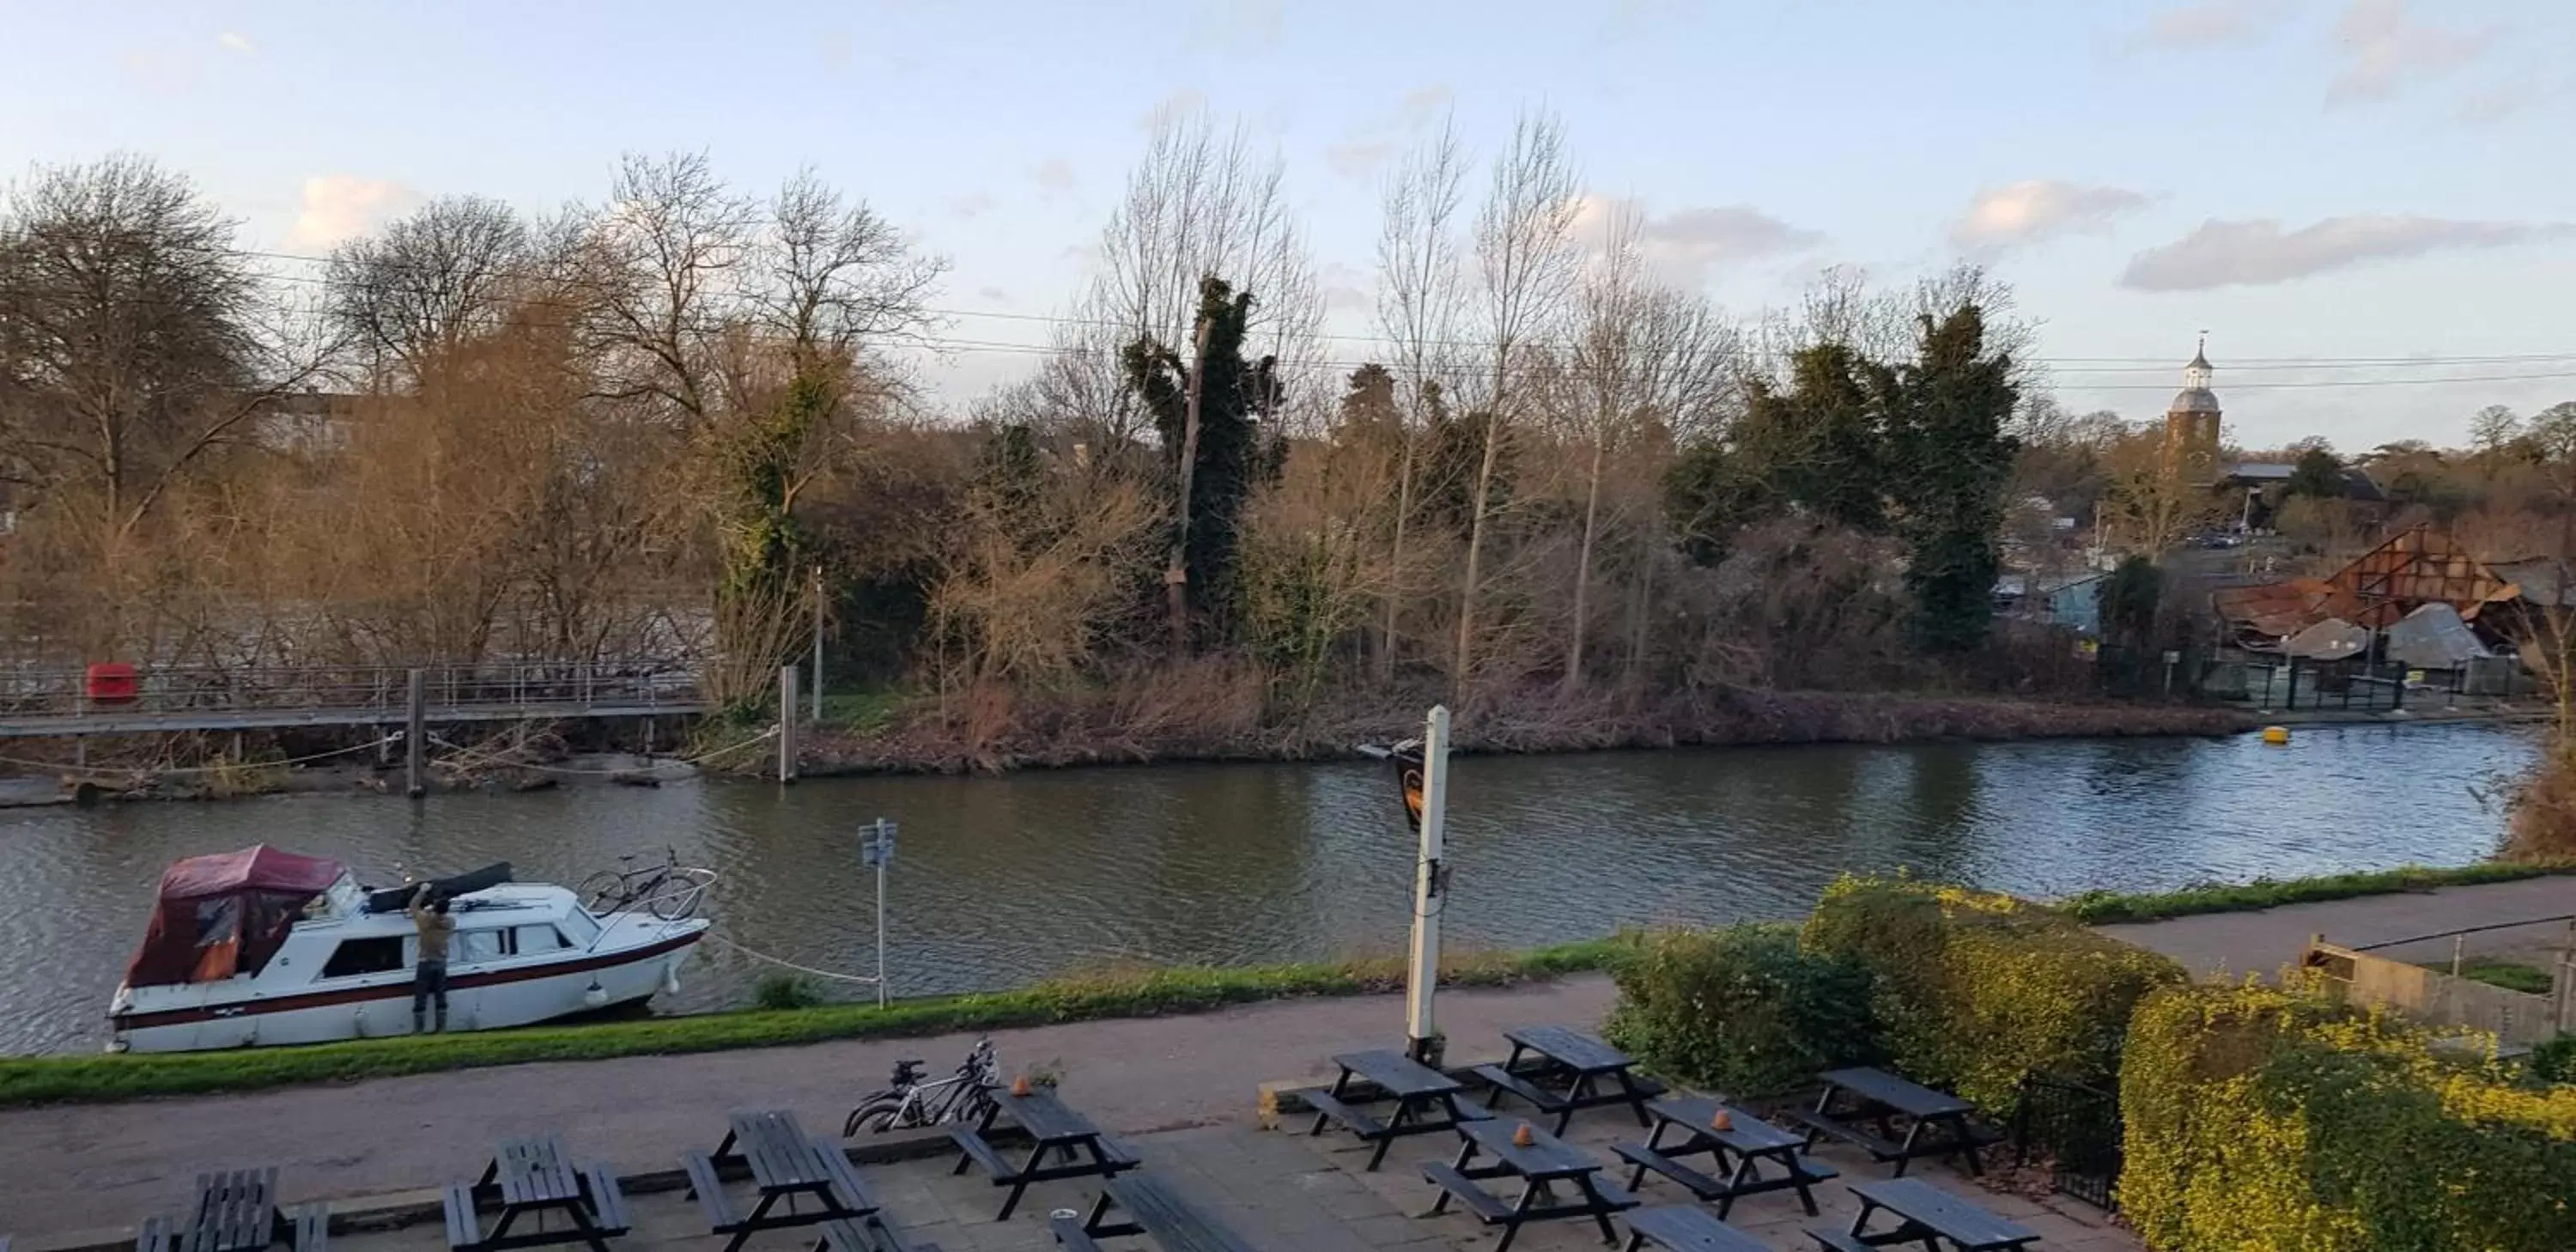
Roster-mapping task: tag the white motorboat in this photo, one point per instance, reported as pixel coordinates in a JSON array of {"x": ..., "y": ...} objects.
[{"x": 263, "y": 947}]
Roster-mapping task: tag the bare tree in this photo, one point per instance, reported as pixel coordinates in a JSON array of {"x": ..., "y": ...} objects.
[
  {"x": 835, "y": 276},
  {"x": 665, "y": 252},
  {"x": 1525, "y": 260},
  {"x": 432, "y": 279},
  {"x": 1418, "y": 312}
]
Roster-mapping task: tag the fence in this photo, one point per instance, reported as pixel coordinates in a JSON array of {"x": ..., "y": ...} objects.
[
  {"x": 2076, "y": 1129},
  {"x": 2516, "y": 1018},
  {"x": 60, "y": 702}
]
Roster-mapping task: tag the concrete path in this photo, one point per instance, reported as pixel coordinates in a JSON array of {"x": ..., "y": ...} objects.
[
  {"x": 2237, "y": 944},
  {"x": 85, "y": 1167}
]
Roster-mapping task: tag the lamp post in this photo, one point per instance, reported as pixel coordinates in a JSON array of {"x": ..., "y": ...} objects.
[
  {"x": 876, "y": 850},
  {"x": 1423, "y": 770}
]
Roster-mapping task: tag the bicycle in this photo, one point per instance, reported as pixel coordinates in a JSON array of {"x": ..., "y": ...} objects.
[
  {"x": 669, "y": 891},
  {"x": 965, "y": 1096}
]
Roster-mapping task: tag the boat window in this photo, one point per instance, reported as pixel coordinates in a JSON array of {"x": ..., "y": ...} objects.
[
  {"x": 578, "y": 929},
  {"x": 380, "y": 955},
  {"x": 535, "y": 939},
  {"x": 484, "y": 945}
]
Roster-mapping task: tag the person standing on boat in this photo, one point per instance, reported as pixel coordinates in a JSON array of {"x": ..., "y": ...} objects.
[{"x": 428, "y": 911}]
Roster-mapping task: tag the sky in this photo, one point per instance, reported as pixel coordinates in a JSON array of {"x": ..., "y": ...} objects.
[{"x": 2370, "y": 193}]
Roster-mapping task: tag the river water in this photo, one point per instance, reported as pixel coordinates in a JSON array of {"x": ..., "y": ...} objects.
[{"x": 998, "y": 881}]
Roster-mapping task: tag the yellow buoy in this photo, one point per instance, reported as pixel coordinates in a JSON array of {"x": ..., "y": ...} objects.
[{"x": 2276, "y": 734}]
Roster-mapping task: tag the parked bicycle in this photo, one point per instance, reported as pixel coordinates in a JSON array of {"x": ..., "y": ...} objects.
[
  {"x": 908, "y": 1102},
  {"x": 669, "y": 891}
]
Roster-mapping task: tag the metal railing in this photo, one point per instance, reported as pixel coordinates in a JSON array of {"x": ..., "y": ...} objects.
[
  {"x": 2076, "y": 1129},
  {"x": 357, "y": 689}
]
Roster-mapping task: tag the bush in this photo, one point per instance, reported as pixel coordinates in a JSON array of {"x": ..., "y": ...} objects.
[
  {"x": 1975, "y": 991},
  {"x": 2262, "y": 1119},
  {"x": 786, "y": 991},
  {"x": 2555, "y": 1061},
  {"x": 1741, "y": 1010}
]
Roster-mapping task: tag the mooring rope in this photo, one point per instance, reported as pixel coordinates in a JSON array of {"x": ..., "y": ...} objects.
[{"x": 786, "y": 964}]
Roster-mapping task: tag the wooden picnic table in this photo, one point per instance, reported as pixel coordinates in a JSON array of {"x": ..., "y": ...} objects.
[
  {"x": 236, "y": 1211},
  {"x": 1542, "y": 1164},
  {"x": 1924, "y": 1214},
  {"x": 531, "y": 1178},
  {"x": 812, "y": 1177},
  {"x": 1739, "y": 1153},
  {"x": 1851, "y": 1097},
  {"x": 1152, "y": 1208},
  {"x": 1687, "y": 1228},
  {"x": 1426, "y": 1100},
  {"x": 1557, "y": 1069},
  {"x": 1083, "y": 1151}
]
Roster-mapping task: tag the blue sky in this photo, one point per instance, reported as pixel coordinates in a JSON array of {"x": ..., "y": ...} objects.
[{"x": 2344, "y": 179}]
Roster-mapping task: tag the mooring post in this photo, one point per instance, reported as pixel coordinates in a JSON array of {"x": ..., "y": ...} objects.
[
  {"x": 416, "y": 735},
  {"x": 787, "y": 723}
]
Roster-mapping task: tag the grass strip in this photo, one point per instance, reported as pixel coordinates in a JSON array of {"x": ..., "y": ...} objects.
[
  {"x": 1075, "y": 997},
  {"x": 2510, "y": 975},
  {"x": 2104, "y": 907}
]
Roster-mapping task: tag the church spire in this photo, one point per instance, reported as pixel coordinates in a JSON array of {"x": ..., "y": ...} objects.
[{"x": 2195, "y": 376}]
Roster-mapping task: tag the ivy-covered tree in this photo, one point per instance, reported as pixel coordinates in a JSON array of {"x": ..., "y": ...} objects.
[
  {"x": 2127, "y": 598},
  {"x": 1234, "y": 453},
  {"x": 1820, "y": 444},
  {"x": 1948, "y": 460},
  {"x": 2318, "y": 475}
]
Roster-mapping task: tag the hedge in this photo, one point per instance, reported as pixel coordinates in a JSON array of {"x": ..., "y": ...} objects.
[
  {"x": 2261, "y": 1119},
  {"x": 1974, "y": 991},
  {"x": 1741, "y": 1010}
]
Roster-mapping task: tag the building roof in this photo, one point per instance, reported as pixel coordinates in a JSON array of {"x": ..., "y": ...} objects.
[{"x": 2194, "y": 400}]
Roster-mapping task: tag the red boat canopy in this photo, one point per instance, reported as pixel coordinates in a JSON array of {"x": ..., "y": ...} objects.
[{"x": 226, "y": 914}]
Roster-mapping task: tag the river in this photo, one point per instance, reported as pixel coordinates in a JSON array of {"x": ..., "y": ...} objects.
[{"x": 1000, "y": 880}]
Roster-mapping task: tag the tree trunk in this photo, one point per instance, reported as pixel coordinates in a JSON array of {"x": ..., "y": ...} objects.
[
  {"x": 1583, "y": 568},
  {"x": 1176, "y": 574},
  {"x": 1395, "y": 557},
  {"x": 1476, "y": 545}
]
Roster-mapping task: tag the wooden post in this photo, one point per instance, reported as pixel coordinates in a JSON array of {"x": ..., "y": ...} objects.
[
  {"x": 1176, "y": 571},
  {"x": 787, "y": 723},
  {"x": 416, "y": 734}
]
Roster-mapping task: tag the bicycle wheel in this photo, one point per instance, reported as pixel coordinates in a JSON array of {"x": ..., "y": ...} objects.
[
  {"x": 603, "y": 892},
  {"x": 875, "y": 1115},
  {"x": 671, "y": 898}
]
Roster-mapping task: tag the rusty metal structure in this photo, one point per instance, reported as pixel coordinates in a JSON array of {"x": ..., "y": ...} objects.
[{"x": 2417, "y": 567}]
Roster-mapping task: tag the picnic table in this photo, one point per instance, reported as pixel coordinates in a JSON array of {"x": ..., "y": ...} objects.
[
  {"x": 1083, "y": 1151},
  {"x": 1739, "y": 1153},
  {"x": 1426, "y": 1100},
  {"x": 1924, "y": 1214},
  {"x": 1854, "y": 1096},
  {"x": 236, "y": 1211},
  {"x": 786, "y": 1165},
  {"x": 1559, "y": 1070},
  {"x": 1687, "y": 1228},
  {"x": 1151, "y": 1208},
  {"x": 1542, "y": 1164},
  {"x": 529, "y": 1179}
]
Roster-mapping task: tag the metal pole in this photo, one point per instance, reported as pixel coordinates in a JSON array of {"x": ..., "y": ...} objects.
[
  {"x": 416, "y": 734},
  {"x": 818, "y": 645},
  {"x": 882, "y": 858},
  {"x": 786, "y": 723},
  {"x": 1421, "y": 1030}
]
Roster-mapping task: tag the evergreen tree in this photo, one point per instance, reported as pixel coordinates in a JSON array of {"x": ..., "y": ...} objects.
[
  {"x": 1820, "y": 443},
  {"x": 2318, "y": 475},
  {"x": 1948, "y": 460},
  {"x": 1235, "y": 454}
]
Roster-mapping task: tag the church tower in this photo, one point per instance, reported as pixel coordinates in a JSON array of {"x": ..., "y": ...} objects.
[{"x": 2191, "y": 424}]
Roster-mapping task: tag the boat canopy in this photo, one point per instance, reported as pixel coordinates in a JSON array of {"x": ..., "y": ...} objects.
[{"x": 226, "y": 914}]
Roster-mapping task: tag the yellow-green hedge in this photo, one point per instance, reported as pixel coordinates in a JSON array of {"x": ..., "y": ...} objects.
[
  {"x": 2265, "y": 1120},
  {"x": 1976, "y": 990}
]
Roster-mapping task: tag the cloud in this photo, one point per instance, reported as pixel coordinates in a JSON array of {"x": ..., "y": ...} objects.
[
  {"x": 2038, "y": 208},
  {"x": 2381, "y": 50},
  {"x": 1239, "y": 25},
  {"x": 1343, "y": 287},
  {"x": 1372, "y": 141},
  {"x": 1689, "y": 247},
  {"x": 1180, "y": 103},
  {"x": 2495, "y": 105},
  {"x": 992, "y": 295},
  {"x": 2210, "y": 24},
  {"x": 338, "y": 207},
  {"x": 235, "y": 41},
  {"x": 1424, "y": 105},
  {"x": 971, "y": 205},
  {"x": 1056, "y": 174},
  {"x": 2256, "y": 252},
  {"x": 1358, "y": 158}
]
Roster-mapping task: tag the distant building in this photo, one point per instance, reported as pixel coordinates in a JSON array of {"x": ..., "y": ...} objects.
[{"x": 2191, "y": 425}]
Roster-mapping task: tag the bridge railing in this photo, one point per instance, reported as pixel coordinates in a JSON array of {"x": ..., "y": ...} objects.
[{"x": 358, "y": 689}]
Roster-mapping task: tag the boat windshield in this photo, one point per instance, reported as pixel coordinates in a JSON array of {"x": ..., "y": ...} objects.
[{"x": 579, "y": 927}]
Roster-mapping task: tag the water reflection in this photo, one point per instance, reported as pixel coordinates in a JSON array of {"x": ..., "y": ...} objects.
[{"x": 1002, "y": 880}]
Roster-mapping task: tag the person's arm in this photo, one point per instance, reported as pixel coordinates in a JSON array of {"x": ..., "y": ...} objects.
[{"x": 418, "y": 907}]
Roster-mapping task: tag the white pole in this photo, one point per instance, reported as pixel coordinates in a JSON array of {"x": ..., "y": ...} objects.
[
  {"x": 818, "y": 645},
  {"x": 1422, "y": 1032},
  {"x": 882, "y": 858}
]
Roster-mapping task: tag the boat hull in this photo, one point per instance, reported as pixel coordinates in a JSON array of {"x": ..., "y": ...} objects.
[{"x": 485, "y": 997}]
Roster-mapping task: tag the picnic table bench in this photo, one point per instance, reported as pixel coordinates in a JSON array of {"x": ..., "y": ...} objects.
[
  {"x": 1573, "y": 1067},
  {"x": 1925, "y": 1214},
  {"x": 785, "y": 1164},
  {"x": 872, "y": 1233},
  {"x": 236, "y": 1211},
  {"x": 530, "y": 1178},
  {"x": 1541, "y": 1164},
  {"x": 1084, "y": 1151},
  {"x": 1151, "y": 1208},
  {"x": 1738, "y": 1154},
  {"x": 1426, "y": 1100},
  {"x": 1877, "y": 1097},
  {"x": 1687, "y": 1228}
]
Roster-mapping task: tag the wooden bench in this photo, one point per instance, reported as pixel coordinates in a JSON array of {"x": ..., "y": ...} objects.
[
  {"x": 709, "y": 1190},
  {"x": 1426, "y": 1100},
  {"x": 1839, "y": 1241},
  {"x": 155, "y": 1235},
  {"x": 1152, "y": 1209},
  {"x": 1503, "y": 1080},
  {"x": 1882, "y": 1095},
  {"x": 1685, "y": 1228},
  {"x": 464, "y": 1233},
  {"x": 1454, "y": 1182},
  {"x": 308, "y": 1229},
  {"x": 607, "y": 1199},
  {"x": 868, "y": 1234}
]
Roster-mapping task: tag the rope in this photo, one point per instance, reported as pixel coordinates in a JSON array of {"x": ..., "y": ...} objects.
[
  {"x": 784, "y": 964},
  {"x": 203, "y": 769},
  {"x": 650, "y": 766}
]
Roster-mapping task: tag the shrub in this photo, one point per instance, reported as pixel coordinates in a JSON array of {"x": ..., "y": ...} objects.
[
  {"x": 2555, "y": 1061},
  {"x": 2260, "y": 1118},
  {"x": 786, "y": 991},
  {"x": 1741, "y": 1010},
  {"x": 1975, "y": 991}
]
